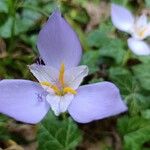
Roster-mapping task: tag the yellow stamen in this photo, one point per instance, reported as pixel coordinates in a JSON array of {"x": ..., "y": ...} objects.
[
  {"x": 61, "y": 74},
  {"x": 55, "y": 88},
  {"x": 62, "y": 90},
  {"x": 69, "y": 90}
]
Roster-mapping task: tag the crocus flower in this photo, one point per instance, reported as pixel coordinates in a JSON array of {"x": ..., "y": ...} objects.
[
  {"x": 59, "y": 79},
  {"x": 137, "y": 27}
]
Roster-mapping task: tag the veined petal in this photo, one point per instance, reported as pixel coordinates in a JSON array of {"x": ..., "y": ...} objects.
[
  {"x": 58, "y": 43},
  {"x": 141, "y": 21},
  {"x": 74, "y": 76},
  {"x": 23, "y": 100},
  {"x": 54, "y": 101},
  {"x": 122, "y": 18},
  {"x": 59, "y": 104},
  {"x": 138, "y": 47},
  {"x": 96, "y": 101},
  {"x": 44, "y": 73}
]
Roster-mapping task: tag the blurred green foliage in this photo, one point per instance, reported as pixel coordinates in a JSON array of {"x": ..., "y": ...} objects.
[
  {"x": 4, "y": 134},
  {"x": 105, "y": 52}
]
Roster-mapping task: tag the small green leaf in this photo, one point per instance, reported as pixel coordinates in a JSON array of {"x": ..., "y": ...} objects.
[
  {"x": 3, "y": 6},
  {"x": 6, "y": 28},
  {"x": 114, "y": 49},
  {"x": 147, "y": 3},
  {"x": 100, "y": 37},
  {"x": 142, "y": 73},
  {"x": 3, "y": 130},
  {"x": 146, "y": 114},
  {"x": 91, "y": 59},
  {"x": 124, "y": 80},
  {"x": 135, "y": 132},
  {"x": 58, "y": 134}
]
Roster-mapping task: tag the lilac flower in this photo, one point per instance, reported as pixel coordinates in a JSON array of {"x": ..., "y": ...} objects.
[
  {"x": 137, "y": 27},
  {"x": 58, "y": 88}
]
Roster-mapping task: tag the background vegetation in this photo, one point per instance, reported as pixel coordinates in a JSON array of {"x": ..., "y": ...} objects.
[{"x": 108, "y": 57}]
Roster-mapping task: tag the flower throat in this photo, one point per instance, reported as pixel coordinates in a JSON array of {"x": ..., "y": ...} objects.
[{"x": 62, "y": 89}]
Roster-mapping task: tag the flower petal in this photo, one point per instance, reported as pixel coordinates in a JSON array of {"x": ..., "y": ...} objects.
[
  {"x": 74, "y": 76},
  {"x": 59, "y": 104},
  {"x": 23, "y": 100},
  {"x": 141, "y": 21},
  {"x": 58, "y": 43},
  {"x": 96, "y": 101},
  {"x": 44, "y": 73},
  {"x": 138, "y": 47},
  {"x": 122, "y": 18}
]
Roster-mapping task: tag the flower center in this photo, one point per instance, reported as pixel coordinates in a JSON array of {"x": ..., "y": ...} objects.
[
  {"x": 141, "y": 31},
  {"x": 60, "y": 90}
]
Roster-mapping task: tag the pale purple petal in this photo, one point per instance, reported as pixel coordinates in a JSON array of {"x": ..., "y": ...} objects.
[
  {"x": 96, "y": 101},
  {"x": 138, "y": 47},
  {"x": 59, "y": 104},
  {"x": 23, "y": 100},
  {"x": 141, "y": 21},
  {"x": 75, "y": 75},
  {"x": 58, "y": 43},
  {"x": 122, "y": 18},
  {"x": 44, "y": 73}
]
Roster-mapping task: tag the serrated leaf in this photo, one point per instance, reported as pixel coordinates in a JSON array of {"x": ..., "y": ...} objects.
[
  {"x": 135, "y": 132},
  {"x": 135, "y": 140},
  {"x": 56, "y": 134},
  {"x": 130, "y": 89}
]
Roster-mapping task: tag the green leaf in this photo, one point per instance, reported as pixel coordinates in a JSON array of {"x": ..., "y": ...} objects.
[
  {"x": 147, "y": 3},
  {"x": 135, "y": 132},
  {"x": 142, "y": 73},
  {"x": 5, "y": 29},
  {"x": 124, "y": 80},
  {"x": 91, "y": 59},
  {"x": 3, "y": 6},
  {"x": 135, "y": 140},
  {"x": 3, "y": 130},
  {"x": 144, "y": 59},
  {"x": 130, "y": 89},
  {"x": 114, "y": 49},
  {"x": 108, "y": 45},
  {"x": 58, "y": 134},
  {"x": 100, "y": 37},
  {"x": 146, "y": 114}
]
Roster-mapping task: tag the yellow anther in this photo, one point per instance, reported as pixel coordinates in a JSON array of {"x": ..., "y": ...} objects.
[
  {"x": 60, "y": 91},
  {"x": 69, "y": 90},
  {"x": 61, "y": 74},
  {"x": 54, "y": 87}
]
